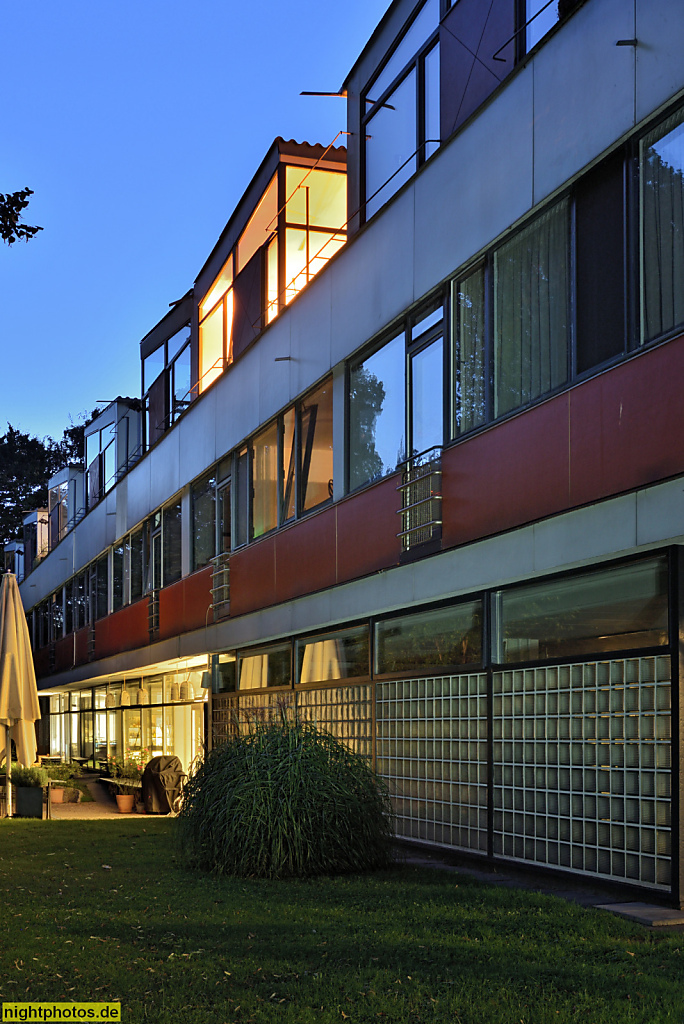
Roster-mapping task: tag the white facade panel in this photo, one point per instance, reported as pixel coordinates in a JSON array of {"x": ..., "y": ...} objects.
[
  {"x": 659, "y": 65},
  {"x": 310, "y": 335},
  {"x": 583, "y": 91},
  {"x": 660, "y": 513},
  {"x": 274, "y": 377},
  {"x": 165, "y": 477},
  {"x": 49, "y": 574},
  {"x": 486, "y": 563},
  {"x": 372, "y": 280},
  {"x": 138, "y": 493},
  {"x": 237, "y": 403},
  {"x": 195, "y": 444},
  {"x": 586, "y": 534},
  {"x": 93, "y": 535},
  {"x": 476, "y": 186}
]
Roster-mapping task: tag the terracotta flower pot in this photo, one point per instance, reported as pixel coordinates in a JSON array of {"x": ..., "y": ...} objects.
[
  {"x": 56, "y": 794},
  {"x": 125, "y": 802}
]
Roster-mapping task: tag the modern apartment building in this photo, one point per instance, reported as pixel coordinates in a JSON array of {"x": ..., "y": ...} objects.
[{"x": 409, "y": 453}]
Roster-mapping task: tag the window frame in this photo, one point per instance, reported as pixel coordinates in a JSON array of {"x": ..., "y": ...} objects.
[{"x": 417, "y": 62}]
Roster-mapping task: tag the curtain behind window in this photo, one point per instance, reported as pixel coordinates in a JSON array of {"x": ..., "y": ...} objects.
[
  {"x": 662, "y": 227},
  {"x": 531, "y": 314},
  {"x": 469, "y": 355}
]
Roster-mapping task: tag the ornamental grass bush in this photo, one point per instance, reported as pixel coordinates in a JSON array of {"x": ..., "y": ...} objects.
[{"x": 286, "y": 799}]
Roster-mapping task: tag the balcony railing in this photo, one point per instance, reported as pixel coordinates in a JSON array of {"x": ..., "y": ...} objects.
[
  {"x": 153, "y": 615},
  {"x": 220, "y": 584},
  {"x": 421, "y": 499}
]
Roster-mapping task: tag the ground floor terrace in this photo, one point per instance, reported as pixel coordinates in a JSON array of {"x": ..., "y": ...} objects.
[{"x": 128, "y": 717}]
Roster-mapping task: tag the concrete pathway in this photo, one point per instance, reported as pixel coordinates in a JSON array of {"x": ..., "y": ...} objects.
[{"x": 103, "y": 805}]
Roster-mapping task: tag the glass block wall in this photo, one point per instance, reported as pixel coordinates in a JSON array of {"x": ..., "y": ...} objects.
[
  {"x": 581, "y": 768},
  {"x": 223, "y": 718},
  {"x": 431, "y": 748},
  {"x": 344, "y": 711}
]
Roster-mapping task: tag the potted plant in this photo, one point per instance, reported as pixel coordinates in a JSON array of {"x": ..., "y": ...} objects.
[
  {"x": 29, "y": 783},
  {"x": 59, "y": 773},
  {"x": 128, "y": 776}
]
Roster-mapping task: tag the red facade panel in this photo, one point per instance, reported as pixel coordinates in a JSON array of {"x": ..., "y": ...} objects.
[
  {"x": 81, "y": 646},
  {"x": 124, "y": 630},
  {"x": 514, "y": 473},
  {"x": 305, "y": 556},
  {"x": 185, "y": 605},
  {"x": 171, "y": 601},
  {"x": 252, "y": 577},
  {"x": 41, "y": 662},
  {"x": 64, "y": 653},
  {"x": 627, "y": 425},
  {"x": 367, "y": 528}
]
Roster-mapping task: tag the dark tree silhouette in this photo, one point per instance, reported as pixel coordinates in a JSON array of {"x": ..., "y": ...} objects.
[{"x": 12, "y": 204}]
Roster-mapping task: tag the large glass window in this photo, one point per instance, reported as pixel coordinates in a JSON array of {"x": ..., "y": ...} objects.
[
  {"x": 398, "y": 136},
  {"x": 203, "y": 502},
  {"x": 377, "y": 414},
  {"x": 242, "y": 496},
  {"x": 118, "y": 576},
  {"x": 426, "y": 397},
  {"x": 171, "y": 542},
  {"x": 317, "y": 447},
  {"x": 468, "y": 348},
  {"x": 215, "y": 327},
  {"x": 134, "y": 552},
  {"x": 616, "y": 609},
  {"x": 288, "y": 507},
  {"x": 99, "y": 582},
  {"x": 540, "y": 16},
  {"x": 265, "y": 481},
  {"x": 317, "y": 199},
  {"x": 437, "y": 639},
  {"x": 291, "y": 466},
  {"x": 340, "y": 655},
  {"x": 260, "y": 226},
  {"x": 391, "y": 156},
  {"x": 662, "y": 227},
  {"x": 531, "y": 311},
  {"x": 224, "y": 512},
  {"x": 265, "y": 667}
]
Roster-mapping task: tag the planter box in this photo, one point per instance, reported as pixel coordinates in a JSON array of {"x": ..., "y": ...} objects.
[{"x": 29, "y": 801}]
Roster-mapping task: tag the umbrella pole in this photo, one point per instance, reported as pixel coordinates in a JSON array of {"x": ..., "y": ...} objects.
[{"x": 8, "y": 768}]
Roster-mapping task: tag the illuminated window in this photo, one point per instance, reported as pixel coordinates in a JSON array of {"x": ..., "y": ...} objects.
[
  {"x": 287, "y": 469},
  {"x": 315, "y": 214},
  {"x": 265, "y": 480},
  {"x": 260, "y": 226},
  {"x": 316, "y": 429},
  {"x": 215, "y": 327}
]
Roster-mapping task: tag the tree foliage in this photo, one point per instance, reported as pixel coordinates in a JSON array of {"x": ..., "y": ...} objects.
[
  {"x": 26, "y": 465},
  {"x": 12, "y": 205}
]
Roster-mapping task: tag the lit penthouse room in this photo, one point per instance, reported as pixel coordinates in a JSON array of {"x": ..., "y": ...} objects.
[{"x": 289, "y": 223}]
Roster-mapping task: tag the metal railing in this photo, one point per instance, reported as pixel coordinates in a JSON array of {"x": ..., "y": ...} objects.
[
  {"x": 220, "y": 584},
  {"x": 153, "y": 614},
  {"x": 421, "y": 499}
]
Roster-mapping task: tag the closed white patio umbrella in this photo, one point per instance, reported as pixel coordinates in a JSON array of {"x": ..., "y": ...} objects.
[{"x": 19, "y": 707}]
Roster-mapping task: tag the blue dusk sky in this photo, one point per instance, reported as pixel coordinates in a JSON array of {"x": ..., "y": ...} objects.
[{"x": 139, "y": 125}]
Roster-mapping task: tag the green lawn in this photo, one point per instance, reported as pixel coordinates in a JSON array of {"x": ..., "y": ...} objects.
[{"x": 409, "y": 946}]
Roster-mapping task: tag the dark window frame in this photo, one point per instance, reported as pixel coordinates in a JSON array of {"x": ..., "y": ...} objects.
[{"x": 417, "y": 63}]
